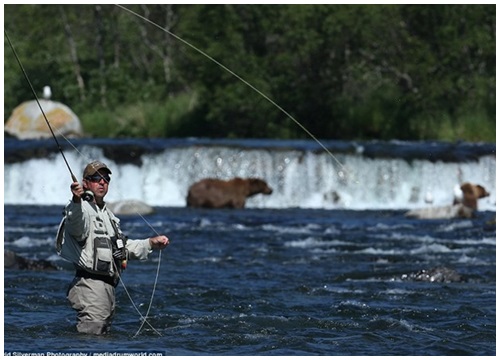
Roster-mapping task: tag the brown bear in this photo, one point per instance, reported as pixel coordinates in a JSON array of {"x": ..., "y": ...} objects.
[
  {"x": 472, "y": 192},
  {"x": 462, "y": 207},
  {"x": 216, "y": 193}
]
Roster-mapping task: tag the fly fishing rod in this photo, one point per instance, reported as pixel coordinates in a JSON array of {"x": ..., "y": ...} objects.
[{"x": 87, "y": 196}]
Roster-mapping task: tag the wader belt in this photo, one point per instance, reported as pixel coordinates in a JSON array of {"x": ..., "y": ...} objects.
[{"x": 87, "y": 275}]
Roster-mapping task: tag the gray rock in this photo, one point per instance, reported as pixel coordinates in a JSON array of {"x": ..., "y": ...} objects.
[{"x": 130, "y": 207}]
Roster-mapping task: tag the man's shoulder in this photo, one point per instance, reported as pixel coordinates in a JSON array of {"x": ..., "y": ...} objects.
[{"x": 83, "y": 206}]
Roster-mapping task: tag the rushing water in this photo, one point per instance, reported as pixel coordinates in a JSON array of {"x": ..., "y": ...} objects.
[
  {"x": 267, "y": 281},
  {"x": 372, "y": 175},
  {"x": 270, "y": 282}
]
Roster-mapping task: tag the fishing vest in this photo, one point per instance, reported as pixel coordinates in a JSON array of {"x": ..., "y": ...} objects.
[{"x": 94, "y": 253}]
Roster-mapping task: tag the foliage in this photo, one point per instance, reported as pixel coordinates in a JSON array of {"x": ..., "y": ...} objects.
[
  {"x": 343, "y": 71},
  {"x": 144, "y": 119}
]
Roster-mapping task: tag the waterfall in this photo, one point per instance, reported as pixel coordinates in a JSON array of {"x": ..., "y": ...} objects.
[{"x": 301, "y": 176}]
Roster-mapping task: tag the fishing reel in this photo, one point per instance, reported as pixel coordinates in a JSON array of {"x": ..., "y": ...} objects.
[{"x": 88, "y": 196}]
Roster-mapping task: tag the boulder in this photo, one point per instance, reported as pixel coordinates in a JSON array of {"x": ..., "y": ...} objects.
[
  {"x": 28, "y": 122},
  {"x": 437, "y": 274},
  {"x": 130, "y": 207},
  {"x": 14, "y": 261}
]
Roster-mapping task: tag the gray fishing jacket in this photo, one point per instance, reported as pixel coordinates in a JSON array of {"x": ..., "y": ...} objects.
[{"x": 86, "y": 235}]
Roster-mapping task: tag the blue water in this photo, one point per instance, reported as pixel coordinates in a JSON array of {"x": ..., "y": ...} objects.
[{"x": 269, "y": 282}]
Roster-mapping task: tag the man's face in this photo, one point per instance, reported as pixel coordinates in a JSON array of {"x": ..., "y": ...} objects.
[{"x": 98, "y": 183}]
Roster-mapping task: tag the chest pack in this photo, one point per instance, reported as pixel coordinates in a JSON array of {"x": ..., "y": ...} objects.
[{"x": 100, "y": 251}]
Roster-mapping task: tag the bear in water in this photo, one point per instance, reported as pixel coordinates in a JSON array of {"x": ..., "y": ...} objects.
[{"x": 216, "y": 193}]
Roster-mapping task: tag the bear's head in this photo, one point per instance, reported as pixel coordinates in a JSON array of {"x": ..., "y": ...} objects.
[
  {"x": 471, "y": 193},
  {"x": 259, "y": 186}
]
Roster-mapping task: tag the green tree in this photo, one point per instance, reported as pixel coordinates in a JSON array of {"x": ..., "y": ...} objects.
[{"x": 342, "y": 71}]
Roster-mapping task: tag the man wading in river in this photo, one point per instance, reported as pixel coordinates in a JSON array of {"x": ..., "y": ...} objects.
[{"x": 90, "y": 237}]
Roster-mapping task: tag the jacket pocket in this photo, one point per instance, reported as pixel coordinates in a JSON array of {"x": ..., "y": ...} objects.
[
  {"x": 102, "y": 255},
  {"x": 99, "y": 227}
]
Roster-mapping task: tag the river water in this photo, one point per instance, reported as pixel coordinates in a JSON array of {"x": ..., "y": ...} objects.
[{"x": 270, "y": 279}]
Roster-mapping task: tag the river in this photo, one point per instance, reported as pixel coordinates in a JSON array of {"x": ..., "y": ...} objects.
[{"x": 299, "y": 272}]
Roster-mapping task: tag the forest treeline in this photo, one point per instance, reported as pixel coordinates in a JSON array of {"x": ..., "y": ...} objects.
[{"x": 409, "y": 72}]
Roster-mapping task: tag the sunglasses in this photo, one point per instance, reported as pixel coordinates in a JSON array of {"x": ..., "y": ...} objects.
[{"x": 96, "y": 178}]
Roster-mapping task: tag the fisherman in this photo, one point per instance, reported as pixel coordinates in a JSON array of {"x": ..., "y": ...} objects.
[{"x": 90, "y": 237}]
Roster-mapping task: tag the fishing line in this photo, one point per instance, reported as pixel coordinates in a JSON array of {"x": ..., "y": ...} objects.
[
  {"x": 217, "y": 63},
  {"x": 340, "y": 174},
  {"x": 73, "y": 177}
]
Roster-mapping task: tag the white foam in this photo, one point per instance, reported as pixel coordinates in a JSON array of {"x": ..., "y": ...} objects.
[{"x": 299, "y": 179}]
